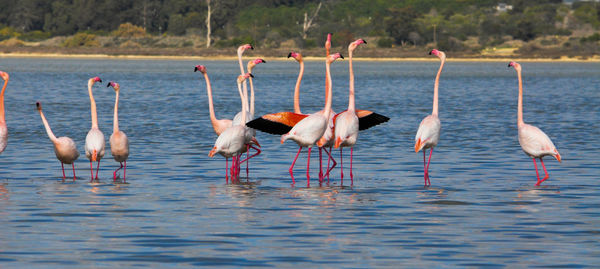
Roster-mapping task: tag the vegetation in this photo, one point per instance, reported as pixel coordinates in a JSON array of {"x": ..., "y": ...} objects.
[{"x": 454, "y": 25}]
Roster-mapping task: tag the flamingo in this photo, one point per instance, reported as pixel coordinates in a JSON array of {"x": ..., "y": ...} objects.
[
  {"x": 119, "y": 144},
  {"x": 232, "y": 141},
  {"x": 94, "y": 141},
  {"x": 3, "y": 129},
  {"x": 298, "y": 57},
  {"x": 64, "y": 147},
  {"x": 311, "y": 128},
  {"x": 428, "y": 134},
  {"x": 346, "y": 122},
  {"x": 533, "y": 141},
  {"x": 218, "y": 125}
]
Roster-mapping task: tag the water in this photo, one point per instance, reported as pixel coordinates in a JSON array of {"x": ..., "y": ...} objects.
[{"x": 177, "y": 211}]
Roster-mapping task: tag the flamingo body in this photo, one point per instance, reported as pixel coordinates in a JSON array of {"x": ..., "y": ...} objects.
[
  {"x": 230, "y": 143},
  {"x": 119, "y": 146},
  {"x": 3, "y": 128},
  {"x": 308, "y": 131},
  {"x": 346, "y": 129},
  {"x": 428, "y": 133},
  {"x": 536, "y": 143},
  {"x": 94, "y": 145},
  {"x": 3, "y": 136}
]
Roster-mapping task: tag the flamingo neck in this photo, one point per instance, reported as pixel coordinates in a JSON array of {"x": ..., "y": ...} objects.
[
  {"x": 2, "y": 119},
  {"x": 243, "y": 98},
  {"x": 328, "y": 91},
  {"x": 211, "y": 109},
  {"x": 47, "y": 126},
  {"x": 251, "y": 96},
  {"x": 93, "y": 106},
  {"x": 435, "y": 88},
  {"x": 520, "y": 102},
  {"x": 351, "y": 104},
  {"x": 297, "y": 89},
  {"x": 242, "y": 73},
  {"x": 116, "y": 115}
]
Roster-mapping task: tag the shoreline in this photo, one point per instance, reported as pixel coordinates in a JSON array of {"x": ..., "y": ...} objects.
[{"x": 592, "y": 59}]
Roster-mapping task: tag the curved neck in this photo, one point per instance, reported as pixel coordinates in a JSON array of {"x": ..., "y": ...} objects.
[
  {"x": 520, "y": 102},
  {"x": 351, "y": 104},
  {"x": 2, "y": 119},
  {"x": 93, "y": 106},
  {"x": 435, "y": 88},
  {"x": 328, "y": 86},
  {"x": 116, "y": 116},
  {"x": 242, "y": 73},
  {"x": 244, "y": 99},
  {"x": 297, "y": 89},
  {"x": 213, "y": 118},
  {"x": 251, "y": 97},
  {"x": 47, "y": 126}
]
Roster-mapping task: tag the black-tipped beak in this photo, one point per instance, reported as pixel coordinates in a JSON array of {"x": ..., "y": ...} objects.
[
  {"x": 251, "y": 75},
  {"x": 430, "y": 52},
  {"x": 364, "y": 41},
  {"x": 289, "y": 55},
  {"x": 195, "y": 68},
  {"x": 264, "y": 62},
  {"x": 108, "y": 85},
  {"x": 251, "y": 47},
  {"x": 37, "y": 104},
  {"x": 341, "y": 56},
  {"x": 508, "y": 65}
]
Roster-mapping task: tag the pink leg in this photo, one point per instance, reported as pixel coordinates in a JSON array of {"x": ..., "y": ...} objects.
[
  {"x": 124, "y": 170},
  {"x": 536, "y": 172},
  {"x": 63, "y": 169},
  {"x": 351, "y": 175},
  {"x": 91, "y": 171},
  {"x": 320, "y": 165},
  {"x": 428, "y": 161},
  {"x": 308, "y": 168},
  {"x": 328, "y": 162},
  {"x": 115, "y": 172},
  {"x": 258, "y": 151},
  {"x": 97, "y": 168},
  {"x": 425, "y": 175},
  {"x": 226, "y": 170},
  {"x": 545, "y": 172},
  {"x": 292, "y": 167},
  {"x": 342, "y": 164},
  {"x": 73, "y": 164},
  {"x": 332, "y": 160},
  {"x": 247, "y": 158}
]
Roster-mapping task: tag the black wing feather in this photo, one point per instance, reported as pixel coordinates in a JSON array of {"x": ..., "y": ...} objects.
[
  {"x": 371, "y": 120},
  {"x": 268, "y": 126}
]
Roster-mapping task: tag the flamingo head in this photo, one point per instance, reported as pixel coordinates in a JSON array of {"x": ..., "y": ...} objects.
[
  {"x": 328, "y": 42},
  {"x": 296, "y": 55},
  {"x": 38, "y": 105},
  {"x": 334, "y": 57},
  {"x": 355, "y": 44},
  {"x": 514, "y": 64},
  {"x": 241, "y": 78},
  {"x": 200, "y": 68},
  {"x": 4, "y": 75},
  {"x": 95, "y": 79},
  {"x": 244, "y": 47},
  {"x": 114, "y": 85},
  {"x": 253, "y": 63},
  {"x": 440, "y": 54}
]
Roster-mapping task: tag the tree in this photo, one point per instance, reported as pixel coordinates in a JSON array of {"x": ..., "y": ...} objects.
[
  {"x": 308, "y": 23},
  {"x": 400, "y": 23}
]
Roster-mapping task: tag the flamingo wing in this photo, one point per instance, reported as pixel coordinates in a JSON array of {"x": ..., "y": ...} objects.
[
  {"x": 368, "y": 119},
  {"x": 276, "y": 123},
  {"x": 535, "y": 142}
]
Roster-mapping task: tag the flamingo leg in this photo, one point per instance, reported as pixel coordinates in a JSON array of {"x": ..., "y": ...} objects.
[
  {"x": 342, "y": 164},
  {"x": 308, "y": 168},
  {"x": 429, "y": 161},
  {"x": 258, "y": 151},
  {"x": 91, "y": 172},
  {"x": 115, "y": 172},
  {"x": 292, "y": 167},
  {"x": 63, "y": 169},
  {"x": 73, "y": 164},
  {"x": 332, "y": 160},
  {"x": 320, "y": 165},
  {"x": 425, "y": 175},
  {"x": 545, "y": 172},
  {"x": 351, "y": 175},
  {"x": 328, "y": 162},
  {"x": 97, "y": 168},
  {"x": 247, "y": 158},
  {"x": 536, "y": 172},
  {"x": 124, "y": 170},
  {"x": 226, "y": 170}
]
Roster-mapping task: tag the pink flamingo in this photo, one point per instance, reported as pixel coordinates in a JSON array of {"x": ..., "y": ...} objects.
[
  {"x": 251, "y": 133},
  {"x": 218, "y": 125},
  {"x": 311, "y": 128},
  {"x": 533, "y": 141},
  {"x": 64, "y": 147},
  {"x": 232, "y": 141},
  {"x": 119, "y": 143},
  {"x": 3, "y": 129},
  {"x": 346, "y": 122},
  {"x": 428, "y": 134},
  {"x": 94, "y": 141}
]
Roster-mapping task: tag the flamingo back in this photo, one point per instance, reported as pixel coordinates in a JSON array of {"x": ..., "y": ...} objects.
[
  {"x": 231, "y": 142},
  {"x": 119, "y": 146},
  {"x": 307, "y": 131},
  {"x": 66, "y": 150},
  {"x": 535, "y": 142},
  {"x": 346, "y": 129},
  {"x": 3, "y": 137},
  {"x": 94, "y": 141},
  {"x": 428, "y": 134}
]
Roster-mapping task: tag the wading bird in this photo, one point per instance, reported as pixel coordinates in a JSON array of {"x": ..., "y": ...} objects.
[
  {"x": 428, "y": 134},
  {"x": 119, "y": 144},
  {"x": 533, "y": 141},
  {"x": 3, "y": 129},
  {"x": 64, "y": 147},
  {"x": 94, "y": 141}
]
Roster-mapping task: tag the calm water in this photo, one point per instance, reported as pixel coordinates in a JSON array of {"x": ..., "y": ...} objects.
[{"x": 177, "y": 211}]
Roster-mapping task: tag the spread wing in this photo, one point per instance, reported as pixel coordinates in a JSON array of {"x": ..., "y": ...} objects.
[
  {"x": 276, "y": 123},
  {"x": 368, "y": 119}
]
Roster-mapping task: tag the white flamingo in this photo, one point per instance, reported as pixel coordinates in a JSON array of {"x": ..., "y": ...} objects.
[{"x": 94, "y": 141}]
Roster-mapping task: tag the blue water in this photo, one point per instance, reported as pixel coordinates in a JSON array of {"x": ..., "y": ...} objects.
[{"x": 482, "y": 209}]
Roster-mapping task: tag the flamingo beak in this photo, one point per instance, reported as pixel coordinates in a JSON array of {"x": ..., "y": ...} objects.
[
  {"x": 289, "y": 55},
  {"x": 195, "y": 68},
  {"x": 558, "y": 158},
  {"x": 341, "y": 56},
  {"x": 255, "y": 141}
]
